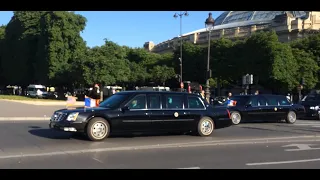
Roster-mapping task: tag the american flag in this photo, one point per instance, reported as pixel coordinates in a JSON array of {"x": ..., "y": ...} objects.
[{"x": 71, "y": 100}]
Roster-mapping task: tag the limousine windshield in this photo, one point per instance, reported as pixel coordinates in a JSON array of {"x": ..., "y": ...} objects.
[{"x": 114, "y": 101}]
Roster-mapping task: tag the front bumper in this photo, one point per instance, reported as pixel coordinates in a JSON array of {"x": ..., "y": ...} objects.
[
  {"x": 67, "y": 126},
  {"x": 310, "y": 113}
]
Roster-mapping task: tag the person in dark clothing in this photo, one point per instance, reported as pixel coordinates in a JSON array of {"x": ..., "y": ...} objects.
[{"x": 94, "y": 93}]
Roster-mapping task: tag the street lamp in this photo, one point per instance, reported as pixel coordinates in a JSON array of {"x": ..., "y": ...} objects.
[
  {"x": 209, "y": 26},
  {"x": 176, "y": 15}
]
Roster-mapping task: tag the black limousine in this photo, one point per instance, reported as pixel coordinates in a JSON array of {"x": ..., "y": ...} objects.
[
  {"x": 312, "y": 105},
  {"x": 263, "y": 107},
  {"x": 142, "y": 111}
]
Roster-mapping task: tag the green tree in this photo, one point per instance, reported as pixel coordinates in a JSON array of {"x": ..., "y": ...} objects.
[
  {"x": 220, "y": 61},
  {"x": 106, "y": 65},
  {"x": 21, "y": 42},
  {"x": 308, "y": 68},
  {"x": 308, "y": 44},
  {"x": 270, "y": 61},
  {"x": 193, "y": 62},
  {"x": 40, "y": 47},
  {"x": 138, "y": 74},
  {"x": 63, "y": 45},
  {"x": 2, "y": 36},
  {"x": 161, "y": 74}
]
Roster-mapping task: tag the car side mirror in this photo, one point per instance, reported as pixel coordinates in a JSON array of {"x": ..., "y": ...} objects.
[
  {"x": 125, "y": 108},
  {"x": 248, "y": 105}
]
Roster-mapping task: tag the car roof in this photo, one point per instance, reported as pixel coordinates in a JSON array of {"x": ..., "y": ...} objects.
[
  {"x": 154, "y": 92},
  {"x": 250, "y": 95}
]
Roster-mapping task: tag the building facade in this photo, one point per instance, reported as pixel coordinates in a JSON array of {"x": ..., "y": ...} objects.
[{"x": 288, "y": 25}]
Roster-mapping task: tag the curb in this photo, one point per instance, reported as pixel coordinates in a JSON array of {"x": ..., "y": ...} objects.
[{"x": 24, "y": 118}]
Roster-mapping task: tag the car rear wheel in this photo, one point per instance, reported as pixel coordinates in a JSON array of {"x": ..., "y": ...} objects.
[
  {"x": 235, "y": 117},
  {"x": 205, "y": 126},
  {"x": 291, "y": 117},
  {"x": 98, "y": 129}
]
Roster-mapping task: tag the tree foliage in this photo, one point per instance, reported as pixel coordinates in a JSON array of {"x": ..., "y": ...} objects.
[{"x": 45, "y": 47}]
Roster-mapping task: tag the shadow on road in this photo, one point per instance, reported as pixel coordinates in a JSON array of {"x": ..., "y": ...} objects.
[
  {"x": 272, "y": 130},
  {"x": 34, "y": 127},
  {"x": 50, "y": 134},
  {"x": 54, "y": 134}
]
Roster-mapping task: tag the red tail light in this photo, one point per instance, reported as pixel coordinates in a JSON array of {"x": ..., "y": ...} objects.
[{"x": 229, "y": 113}]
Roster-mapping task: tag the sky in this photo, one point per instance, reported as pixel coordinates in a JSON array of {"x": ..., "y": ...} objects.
[{"x": 133, "y": 28}]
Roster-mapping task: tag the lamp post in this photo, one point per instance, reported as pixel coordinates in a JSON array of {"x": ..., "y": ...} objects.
[
  {"x": 176, "y": 15},
  {"x": 209, "y": 23}
]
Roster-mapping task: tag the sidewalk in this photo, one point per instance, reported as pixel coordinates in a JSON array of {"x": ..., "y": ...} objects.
[
  {"x": 13, "y": 110},
  {"x": 46, "y": 103}
]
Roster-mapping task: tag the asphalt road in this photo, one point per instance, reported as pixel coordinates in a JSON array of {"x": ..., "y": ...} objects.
[
  {"x": 256, "y": 145},
  {"x": 10, "y": 109}
]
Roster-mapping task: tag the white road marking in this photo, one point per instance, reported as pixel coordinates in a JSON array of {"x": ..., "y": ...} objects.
[
  {"x": 173, "y": 145},
  {"x": 308, "y": 124},
  {"x": 190, "y": 168},
  {"x": 24, "y": 118},
  {"x": 283, "y": 162},
  {"x": 300, "y": 147},
  {"x": 97, "y": 160}
]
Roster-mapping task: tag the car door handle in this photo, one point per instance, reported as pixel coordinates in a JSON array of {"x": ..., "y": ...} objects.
[{"x": 147, "y": 113}]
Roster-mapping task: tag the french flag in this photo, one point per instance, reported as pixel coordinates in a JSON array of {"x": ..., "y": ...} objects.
[
  {"x": 232, "y": 103},
  {"x": 88, "y": 102}
]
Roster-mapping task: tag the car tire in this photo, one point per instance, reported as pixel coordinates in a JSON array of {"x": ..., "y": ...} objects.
[
  {"x": 98, "y": 129},
  {"x": 235, "y": 117},
  {"x": 205, "y": 126},
  {"x": 291, "y": 117}
]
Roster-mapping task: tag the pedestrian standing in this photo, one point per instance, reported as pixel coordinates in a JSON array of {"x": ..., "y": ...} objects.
[
  {"x": 95, "y": 94},
  {"x": 202, "y": 94}
]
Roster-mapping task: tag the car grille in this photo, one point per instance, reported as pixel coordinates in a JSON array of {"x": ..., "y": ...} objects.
[{"x": 58, "y": 117}]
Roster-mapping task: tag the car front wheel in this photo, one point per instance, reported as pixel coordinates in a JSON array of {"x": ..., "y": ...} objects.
[
  {"x": 205, "y": 126},
  {"x": 98, "y": 129},
  {"x": 235, "y": 117},
  {"x": 291, "y": 117}
]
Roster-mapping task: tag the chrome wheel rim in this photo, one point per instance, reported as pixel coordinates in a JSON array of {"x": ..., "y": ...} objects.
[
  {"x": 206, "y": 127},
  {"x": 236, "y": 118},
  {"x": 99, "y": 130},
  {"x": 292, "y": 117}
]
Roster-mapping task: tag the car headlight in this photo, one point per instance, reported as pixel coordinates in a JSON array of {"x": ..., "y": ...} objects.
[
  {"x": 311, "y": 107},
  {"x": 316, "y": 107},
  {"x": 72, "y": 116}
]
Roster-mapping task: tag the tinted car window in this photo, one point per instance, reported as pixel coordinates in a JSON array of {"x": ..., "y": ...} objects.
[
  {"x": 174, "y": 101},
  {"x": 312, "y": 97},
  {"x": 254, "y": 101},
  {"x": 195, "y": 103},
  {"x": 114, "y": 101},
  {"x": 154, "y": 101},
  {"x": 262, "y": 101},
  {"x": 283, "y": 101},
  {"x": 138, "y": 102},
  {"x": 272, "y": 101}
]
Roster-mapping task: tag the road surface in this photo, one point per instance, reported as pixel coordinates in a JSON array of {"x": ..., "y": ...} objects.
[{"x": 256, "y": 145}]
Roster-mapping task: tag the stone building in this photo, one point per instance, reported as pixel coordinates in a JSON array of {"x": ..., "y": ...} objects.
[{"x": 288, "y": 25}]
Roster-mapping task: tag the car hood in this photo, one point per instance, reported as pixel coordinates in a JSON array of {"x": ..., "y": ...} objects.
[{"x": 81, "y": 110}]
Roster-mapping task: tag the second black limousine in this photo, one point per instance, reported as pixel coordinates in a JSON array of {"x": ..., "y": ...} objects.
[
  {"x": 263, "y": 107},
  {"x": 140, "y": 111}
]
